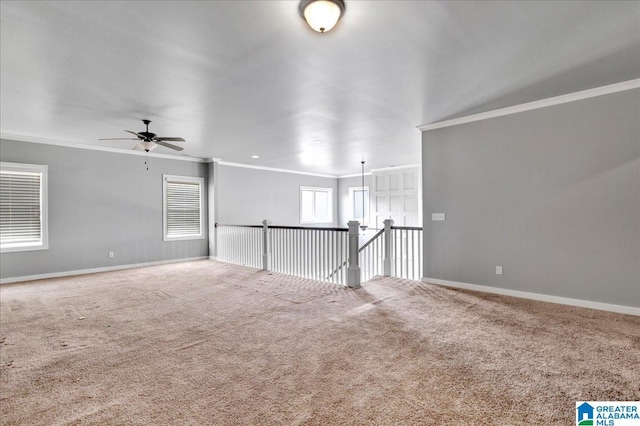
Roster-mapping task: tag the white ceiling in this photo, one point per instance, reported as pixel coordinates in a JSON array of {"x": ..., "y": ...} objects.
[{"x": 242, "y": 78}]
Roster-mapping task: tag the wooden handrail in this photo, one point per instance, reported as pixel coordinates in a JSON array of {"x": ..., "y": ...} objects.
[
  {"x": 240, "y": 226},
  {"x": 408, "y": 228},
  {"x": 310, "y": 228},
  {"x": 289, "y": 227},
  {"x": 380, "y": 232}
]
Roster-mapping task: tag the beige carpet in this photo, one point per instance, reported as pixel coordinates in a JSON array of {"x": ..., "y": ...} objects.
[{"x": 212, "y": 343}]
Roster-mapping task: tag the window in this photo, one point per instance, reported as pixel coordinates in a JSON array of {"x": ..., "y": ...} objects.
[
  {"x": 359, "y": 204},
  {"x": 183, "y": 211},
  {"x": 316, "y": 205},
  {"x": 23, "y": 207}
]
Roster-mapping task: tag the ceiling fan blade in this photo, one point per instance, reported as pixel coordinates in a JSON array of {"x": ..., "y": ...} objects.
[
  {"x": 118, "y": 139},
  {"x": 168, "y": 145},
  {"x": 162, "y": 138},
  {"x": 134, "y": 133}
]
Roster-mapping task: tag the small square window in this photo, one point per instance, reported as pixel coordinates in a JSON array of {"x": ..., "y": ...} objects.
[{"x": 316, "y": 205}]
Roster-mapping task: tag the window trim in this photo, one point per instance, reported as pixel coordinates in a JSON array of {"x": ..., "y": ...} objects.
[
  {"x": 188, "y": 179},
  {"x": 43, "y": 170},
  {"x": 330, "y": 207},
  {"x": 352, "y": 189}
]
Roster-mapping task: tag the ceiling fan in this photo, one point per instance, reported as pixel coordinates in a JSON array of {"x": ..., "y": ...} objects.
[{"x": 149, "y": 141}]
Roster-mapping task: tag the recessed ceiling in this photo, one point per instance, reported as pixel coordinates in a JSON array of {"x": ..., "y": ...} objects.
[{"x": 243, "y": 78}]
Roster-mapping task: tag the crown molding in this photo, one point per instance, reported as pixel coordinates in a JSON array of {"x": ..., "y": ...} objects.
[
  {"x": 32, "y": 139},
  {"x": 273, "y": 169},
  {"x": 386, "y": 169},
  {"x": 543, "y": 103},
  {"x": 354, "y": 175}
]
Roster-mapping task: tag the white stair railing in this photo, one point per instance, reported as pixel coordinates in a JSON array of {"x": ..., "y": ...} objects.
[
  {"x": 372, "y": 256},
  {"x": 395, "y": 251},
  {"x": 406, "y": 252},
  {"x": 316, "y": 253},
  {"x": 240, "y": 244},
  {"x": 325, "y": 254}
]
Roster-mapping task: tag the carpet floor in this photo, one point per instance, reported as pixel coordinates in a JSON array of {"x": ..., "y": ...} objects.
[{"x": 209, "y": 343}]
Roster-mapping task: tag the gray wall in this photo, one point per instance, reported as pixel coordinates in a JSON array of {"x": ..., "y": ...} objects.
[
  {"x": 552, "y": 195},
  {"x": 100, "y": 202},
  {"x": 343, "y": 197},
  {"x": 248, "y": 196}
]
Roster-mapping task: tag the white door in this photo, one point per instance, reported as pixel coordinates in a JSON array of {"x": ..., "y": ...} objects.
[{"x": 396, "y": 195}]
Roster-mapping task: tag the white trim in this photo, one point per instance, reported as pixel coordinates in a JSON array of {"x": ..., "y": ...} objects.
[
  {"x": 386, "y": 169},
  {"x": 272, "y": 169},
  {"x": 32, "y": 139},
  {"x": 96, "y": 270},
  {"x": 630, "y": 310},
  {"x": 543, "y": 103},
  {"x": 354, "y": 175},
  {"x": 187, "y": 179}
]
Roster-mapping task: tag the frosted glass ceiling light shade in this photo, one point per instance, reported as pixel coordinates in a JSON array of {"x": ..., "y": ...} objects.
[
  {"x": 321, "y": 15},
  {"x": 147, "y": 146}
]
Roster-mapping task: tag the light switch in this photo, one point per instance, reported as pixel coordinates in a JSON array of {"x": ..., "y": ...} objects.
[{"x": 437, "y": 216}]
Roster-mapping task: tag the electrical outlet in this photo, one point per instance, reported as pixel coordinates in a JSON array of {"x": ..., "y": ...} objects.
[
  {"x": 111, "y": 254},
  {"x": 437, "y": 216},
  {"x": 498, "y": 270}
]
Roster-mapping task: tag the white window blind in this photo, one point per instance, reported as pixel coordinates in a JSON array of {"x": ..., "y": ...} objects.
[
  {"x": 22, "y": 207},
  {"x": 183, "y": 208}
]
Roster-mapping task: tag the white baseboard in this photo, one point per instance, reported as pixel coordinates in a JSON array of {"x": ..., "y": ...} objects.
[
  {"x": 94, "y": 270},
  {"x": 213, "y": 258},
  {"x": 536, "y": 296}
]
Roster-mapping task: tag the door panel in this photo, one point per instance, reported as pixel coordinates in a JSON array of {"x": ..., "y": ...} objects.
[{"x": 397, "y": 196}]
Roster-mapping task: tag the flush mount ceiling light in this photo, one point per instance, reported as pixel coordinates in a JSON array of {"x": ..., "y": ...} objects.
[{"x": 321, "y": 15}]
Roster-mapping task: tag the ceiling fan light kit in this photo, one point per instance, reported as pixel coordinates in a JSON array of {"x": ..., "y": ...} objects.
[
  {"x": 146, "y": 146},
  {"x": 322, "y": 15}
]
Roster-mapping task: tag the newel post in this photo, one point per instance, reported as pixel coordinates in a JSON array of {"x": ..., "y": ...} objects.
[
  {"x": 353, "y": 271},
  {"x": 389, "y": 264},
  {"x": 266, "y": 245}
]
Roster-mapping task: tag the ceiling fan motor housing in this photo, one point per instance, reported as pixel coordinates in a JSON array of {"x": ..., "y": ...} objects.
[{"x": 148, "y": 136}]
